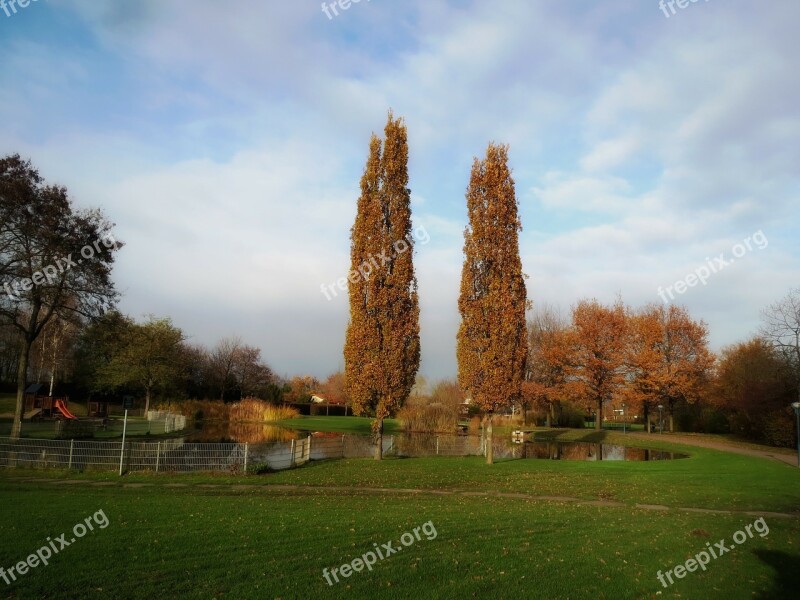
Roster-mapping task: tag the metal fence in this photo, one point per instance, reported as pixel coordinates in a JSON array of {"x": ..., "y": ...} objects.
[
  {"x": 179, "y": 455},
  {"x": 174, "y": 455}
]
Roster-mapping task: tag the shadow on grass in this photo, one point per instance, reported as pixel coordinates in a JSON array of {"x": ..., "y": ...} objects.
[
  {"x": 594, "y": 437},
  {"x": 549, "y": 435},
  {"x": 787, "y": 575},
  {"x": 554, "y": 435}
]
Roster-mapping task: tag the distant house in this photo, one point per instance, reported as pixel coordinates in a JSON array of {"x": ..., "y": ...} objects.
[{"x": 337, "y": 405}]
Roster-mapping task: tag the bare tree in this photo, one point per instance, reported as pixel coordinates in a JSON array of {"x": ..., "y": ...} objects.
[
  {"x": 781, "y": 328},
  {"x": 545, "y": 371},
  {"x": 223, "y": 362},
  {"x": 55, "y": 348},
  {"x": 249, "y": 372}
]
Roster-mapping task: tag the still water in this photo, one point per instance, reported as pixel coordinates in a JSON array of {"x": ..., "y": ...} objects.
[{"x": 264, "y": 439}]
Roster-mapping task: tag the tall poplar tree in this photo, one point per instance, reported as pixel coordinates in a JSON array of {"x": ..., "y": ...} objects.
[
  {"x": 492, "y": 339},
  {"x": 381, "y": 351}
]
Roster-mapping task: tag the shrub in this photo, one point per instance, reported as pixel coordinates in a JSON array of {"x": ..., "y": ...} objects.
[
  {"x": 250, "y": 409},
  {"x": 475, "y": 423},
  {"x": 258, "y": 410},
  {"x": 197, "y": 409},
  {"x": 570, "y": 416},
  {"x": 432, "y": 418},
  {"x": 779, "y": 429},
  {"x": 261, "y": 468}
]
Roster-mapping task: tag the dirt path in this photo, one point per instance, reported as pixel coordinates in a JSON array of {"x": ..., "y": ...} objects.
[{"x": 691, "y": 440}]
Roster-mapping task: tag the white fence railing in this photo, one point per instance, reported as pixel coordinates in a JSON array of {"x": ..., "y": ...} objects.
[
  {"x": 165, "y": 455},
  {"x": 171, "y": 421},
  {"x": 179, "y": 455}
]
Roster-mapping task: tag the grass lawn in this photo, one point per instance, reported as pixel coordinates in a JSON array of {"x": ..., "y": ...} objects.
[
  {"x": 8, "y": 403},
  {"x": 339, "y": 424},
  {"x": 214, "y": 538}
]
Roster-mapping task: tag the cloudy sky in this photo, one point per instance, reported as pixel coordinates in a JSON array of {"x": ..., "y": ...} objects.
[{"x": 226, "y": 140}]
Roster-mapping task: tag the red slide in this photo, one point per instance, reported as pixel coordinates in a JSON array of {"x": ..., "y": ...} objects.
[{"x": 60, "y": 407}]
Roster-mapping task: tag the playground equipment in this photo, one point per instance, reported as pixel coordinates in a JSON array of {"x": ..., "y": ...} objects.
[
  {"x": 46, "y": 407},
  {"x": 61, "y": 407}
]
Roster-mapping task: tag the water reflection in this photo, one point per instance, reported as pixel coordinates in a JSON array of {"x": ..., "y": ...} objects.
[
  {"x": 592, "y": 452},
  {"x": 267, "y": 440}
]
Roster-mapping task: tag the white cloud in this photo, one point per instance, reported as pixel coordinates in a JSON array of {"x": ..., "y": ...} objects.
[{"x": 232, "y": 169}]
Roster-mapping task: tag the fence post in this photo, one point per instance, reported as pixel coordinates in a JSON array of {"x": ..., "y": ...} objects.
[
  {"x": 71, "y": 443},
  {"x": 291, "y": 460},
  {"x": 122, "y": 446},
  {"x": 246, "y": 447},
  {"x": 308, "y": 450},
  {"x": 437, "y": 445},
  {"x": 158, "y": 455}
]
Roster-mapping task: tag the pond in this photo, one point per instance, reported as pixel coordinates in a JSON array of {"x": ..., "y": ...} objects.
[{"x": 266, "y": 440}]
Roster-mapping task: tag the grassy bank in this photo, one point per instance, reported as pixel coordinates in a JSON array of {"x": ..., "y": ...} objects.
[
  {"x": 209, "y": 540},
  {"x": 339, "y": 424}
]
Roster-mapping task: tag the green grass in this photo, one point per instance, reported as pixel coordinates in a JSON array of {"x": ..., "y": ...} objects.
[
  {"x": 219, "y": 542},
  {"x": 212, "y": 539},
  {"x": 8, "y": 403},
  {"x": 339, "y": 424}
]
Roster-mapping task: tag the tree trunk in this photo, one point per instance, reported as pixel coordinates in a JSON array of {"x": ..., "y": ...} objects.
[
  {"x": 671, "y": 423},
  {"x": 22, "y": 374},
  {"x": 377, "y": 437},
  {"x": 647, "y": 419},
  {"x": 489, "y": 446},
  {"x": 598, "y": 422},
  {"x": 146, "y": 400},
  {"x": 548, "y": 419}
]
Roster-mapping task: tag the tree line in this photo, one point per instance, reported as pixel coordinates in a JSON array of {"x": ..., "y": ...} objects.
[
  {"x": 58, "y": 320},
  {"x": 658, "y": 356}
]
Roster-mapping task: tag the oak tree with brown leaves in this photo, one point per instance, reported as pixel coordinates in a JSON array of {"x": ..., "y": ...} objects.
[
  {"x": 596, "y": 354},
  {"x": 382, "y": 349},
  {"x": 492, "y": 339},
  {"x": 670, "y": 362}
]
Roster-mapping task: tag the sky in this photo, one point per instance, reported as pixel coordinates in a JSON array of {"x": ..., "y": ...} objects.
[{"x": 226, "y": 140}]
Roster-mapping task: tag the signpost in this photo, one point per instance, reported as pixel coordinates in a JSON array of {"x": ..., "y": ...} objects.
[{"x": 796, "y": 407}]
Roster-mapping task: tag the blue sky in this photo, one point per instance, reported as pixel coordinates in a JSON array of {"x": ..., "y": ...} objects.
[{"x": 226, "y": 140}]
